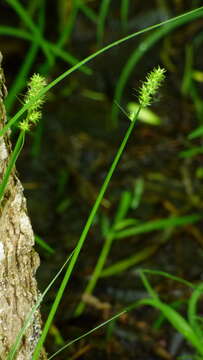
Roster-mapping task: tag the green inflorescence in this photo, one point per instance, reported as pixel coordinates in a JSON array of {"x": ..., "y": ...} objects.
[
  {"x": 35, "y": 85},
  {"x": 150, "y": 86}
]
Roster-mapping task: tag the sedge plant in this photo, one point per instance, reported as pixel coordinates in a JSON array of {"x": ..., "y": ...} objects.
[
  {"x": 189, "y": 16},
  {"x": 147, "y": 92}
]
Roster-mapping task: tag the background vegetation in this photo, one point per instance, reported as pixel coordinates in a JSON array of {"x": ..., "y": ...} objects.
[{"x": 150, "y": 217}]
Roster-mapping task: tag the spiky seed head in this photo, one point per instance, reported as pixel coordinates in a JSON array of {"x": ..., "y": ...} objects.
[
  {"x": 35, "y": 86},
  {"x": 24, "y": 125},
  {"x": 150, "y": 86},
  {"x": 35, "y": 116}
]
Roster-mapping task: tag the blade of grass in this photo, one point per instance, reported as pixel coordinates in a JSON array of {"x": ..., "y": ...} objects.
[
  {"x": 192, "y": 309},
  {"x": 123, "y": 207},
  {"x": 196, "y": 133},
  {"x": 88, "y": 12},
  {"x": 130, "y": 261},
  {"x": 127, "y": 309},
  {"x": 125, "y": 223},
  {"x": 103, "y": 12},
  {"x": 169, "y": 276},
  {"x": 12, "y": 31},
  {"x": 188, "y": 70},
  {"x": 67, "y": 30},
  {"x": 158, "y": 323},
  {"x": 124, "y": 13},
  {"x": 148, "y": 251},
  {"x": 191, "y": 15},
  {"x": 158, "y": 225},
  {"x": 44, "y": 245},
  {"x": 178, "y": 322},
  {"x": 148, "y": 286}
]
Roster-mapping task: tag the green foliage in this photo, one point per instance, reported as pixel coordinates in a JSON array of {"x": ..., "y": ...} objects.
[
  {"x": 103, "y": 12},
  {"x": 188, "y": 327},
  {"x": 181, "y": 19},
  {"x": 44, "y": 245},
  {"x": 124, "y": 13},
  {"x": 122, "y": 226}
]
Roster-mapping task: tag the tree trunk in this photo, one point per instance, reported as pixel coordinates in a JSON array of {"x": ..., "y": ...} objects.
[{"x": 18, "y": 260}]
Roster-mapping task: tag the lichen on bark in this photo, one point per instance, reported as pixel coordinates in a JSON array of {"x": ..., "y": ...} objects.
[{"x": 18, "y": 260}]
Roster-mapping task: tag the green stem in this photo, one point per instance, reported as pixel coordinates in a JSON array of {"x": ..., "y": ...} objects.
[
  {"x": 97, "y": 271},
  {"x": 103, "y": 12},
  {"x": 83, "y": 237},
  {"x": 124, "y": 13},
  {"x": 11, "y": 163}
]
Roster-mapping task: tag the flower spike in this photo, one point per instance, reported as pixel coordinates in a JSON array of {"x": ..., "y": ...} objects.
[
  {"x": 35, "y": 85},
  {"x": 150, "y": 86}
]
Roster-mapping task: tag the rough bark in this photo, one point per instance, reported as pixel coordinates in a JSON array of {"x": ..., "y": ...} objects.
[{"x": 18, "y": 260}]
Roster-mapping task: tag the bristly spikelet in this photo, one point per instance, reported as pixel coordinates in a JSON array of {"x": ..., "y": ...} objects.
[
  {"x": 35, "y": 85},
  {"x": 150, "y": 86}
]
